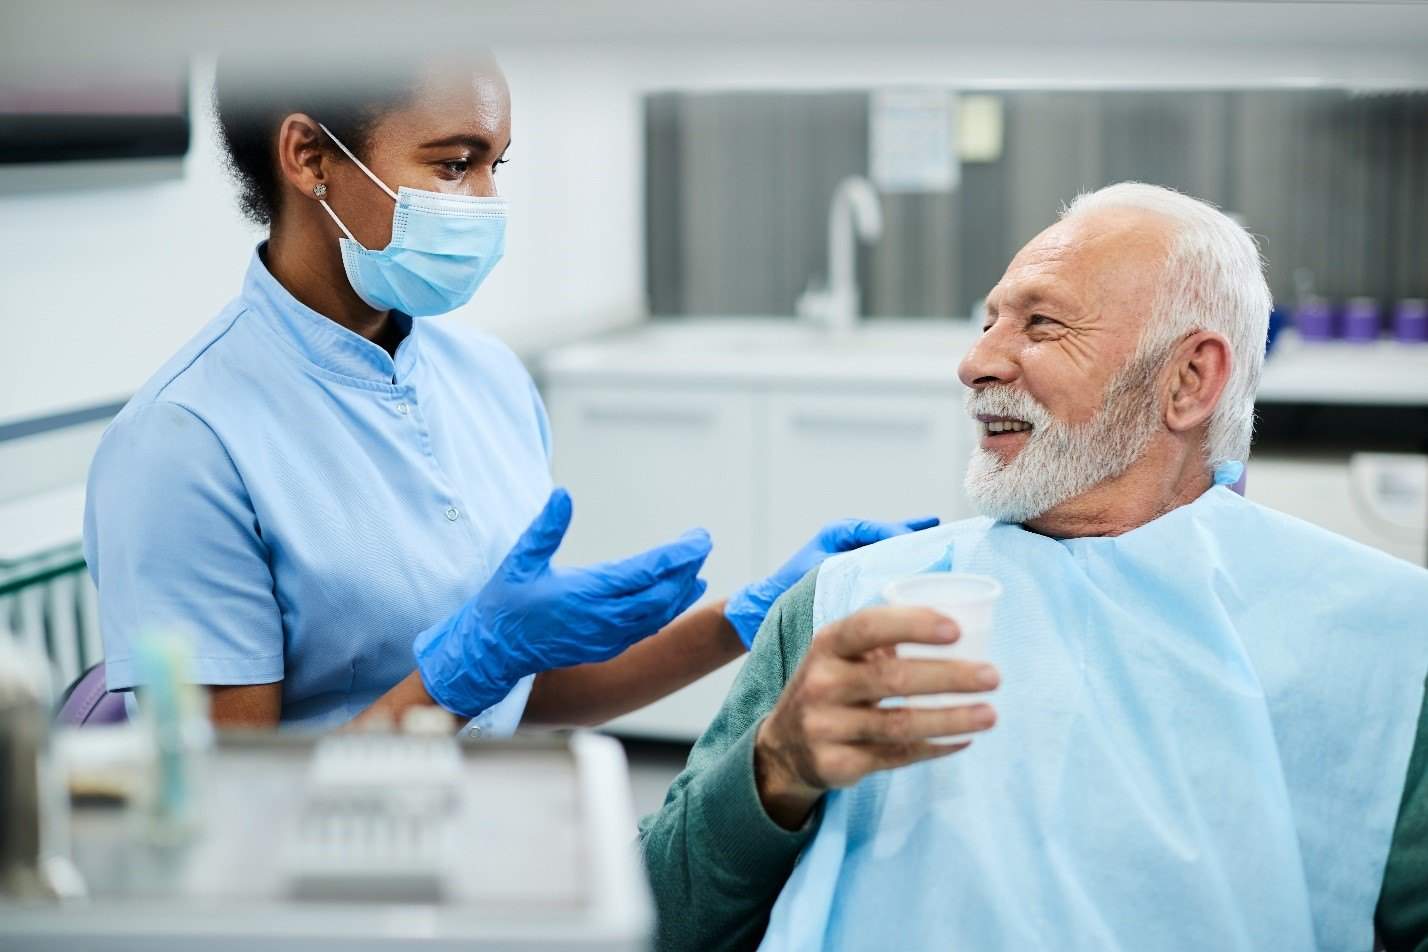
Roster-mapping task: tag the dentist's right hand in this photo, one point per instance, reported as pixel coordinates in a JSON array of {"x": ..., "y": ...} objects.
[{"x": 530, "y": 617}]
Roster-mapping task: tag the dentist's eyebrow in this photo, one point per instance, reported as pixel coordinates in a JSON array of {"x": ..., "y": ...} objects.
[{"x": 474, "y": 142}]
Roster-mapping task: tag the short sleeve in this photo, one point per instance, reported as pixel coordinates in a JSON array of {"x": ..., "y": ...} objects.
[{"x": 173, "y": 545}]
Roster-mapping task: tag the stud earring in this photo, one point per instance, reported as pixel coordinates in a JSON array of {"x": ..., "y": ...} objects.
[{"x": 319, "y": 191}]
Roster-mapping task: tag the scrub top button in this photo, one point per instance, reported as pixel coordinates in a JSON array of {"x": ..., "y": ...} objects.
[
  {"x": 402, "y": 409},
  {"x": 453, "y": 514}
]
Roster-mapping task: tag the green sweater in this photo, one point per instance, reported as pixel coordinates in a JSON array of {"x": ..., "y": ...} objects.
[{"x": 717, "y": 862}]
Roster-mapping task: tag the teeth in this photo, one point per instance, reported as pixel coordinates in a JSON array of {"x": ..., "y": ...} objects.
[{"x": 1007, "y": 426}]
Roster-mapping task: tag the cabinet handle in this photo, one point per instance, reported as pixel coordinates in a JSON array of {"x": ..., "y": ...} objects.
[
  {"x": 905, "y": 429},
  {"x": 648, "y": 416}
]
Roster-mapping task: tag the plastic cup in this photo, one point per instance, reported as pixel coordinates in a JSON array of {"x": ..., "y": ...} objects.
[
  {"x": 970, "y": 601},
  {"x": 1362, "y": 322},
  {"x": 1410, "y": 321},
  {"x": 1315, "y": 320}
]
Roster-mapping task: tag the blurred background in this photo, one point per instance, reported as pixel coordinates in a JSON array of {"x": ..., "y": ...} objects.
[{"x": 719, "y": 340}]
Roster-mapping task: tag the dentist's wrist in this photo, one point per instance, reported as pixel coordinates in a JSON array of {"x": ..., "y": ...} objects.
[
  {"x": 745, "y": 611},
  {"x": 461, "y": 681},
  {"x": 726, "y": 633}
]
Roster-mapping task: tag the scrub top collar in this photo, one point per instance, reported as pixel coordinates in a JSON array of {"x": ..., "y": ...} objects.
[{"x": 322, "y": 341}]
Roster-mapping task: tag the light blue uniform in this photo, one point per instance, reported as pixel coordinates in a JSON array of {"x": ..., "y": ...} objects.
[
  {"x": 1204, "y": 728},
  {"x": 303, "y": 504}
]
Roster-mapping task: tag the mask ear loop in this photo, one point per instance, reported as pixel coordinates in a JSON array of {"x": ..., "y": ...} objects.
[
  {"x": 368, "y": 172},
  {"x": 332, "y": 214},
  {"x": 358, "y": 162}
]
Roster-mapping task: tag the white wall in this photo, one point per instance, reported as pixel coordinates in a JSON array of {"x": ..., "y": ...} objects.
[
  {"x": 107, "y": 269},
  {"x": 107, "y": 272},
  {"x": 574, "y": 262}
]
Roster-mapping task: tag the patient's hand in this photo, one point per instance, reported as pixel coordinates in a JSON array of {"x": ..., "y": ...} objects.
[{"x": 827, "y": 729}]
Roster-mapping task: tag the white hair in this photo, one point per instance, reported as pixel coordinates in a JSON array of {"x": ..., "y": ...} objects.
[{"x": 1213, "y": 280}]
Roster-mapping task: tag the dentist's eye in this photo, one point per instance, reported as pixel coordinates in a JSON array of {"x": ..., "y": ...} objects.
[
  {"x": 457, "y": 167},
  {"x": 498, "y": 163}
]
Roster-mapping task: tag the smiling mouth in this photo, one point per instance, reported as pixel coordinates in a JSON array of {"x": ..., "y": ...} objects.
[{"x": 998, "y": 426}]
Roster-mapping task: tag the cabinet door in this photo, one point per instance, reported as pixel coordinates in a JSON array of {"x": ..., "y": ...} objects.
[
  {"x": 1377, "y": 499},
  {"x": 869, "y": 456},
  {"x": 643, "y": 465}
]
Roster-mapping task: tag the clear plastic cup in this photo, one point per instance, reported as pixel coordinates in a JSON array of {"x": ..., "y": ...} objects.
[{"x": 970, "y": 601}]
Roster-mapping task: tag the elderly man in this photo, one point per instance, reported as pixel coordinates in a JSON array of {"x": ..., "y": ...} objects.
[{"x": 1208, "y": 726}]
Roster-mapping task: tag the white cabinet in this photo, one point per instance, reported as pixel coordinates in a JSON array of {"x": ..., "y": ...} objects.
[
  {"x": 869, "y": 456},
  {"x": 642, "y": 465},
  {"x": 761, "y": 467},
  {"x": 1379, "y": 499}
]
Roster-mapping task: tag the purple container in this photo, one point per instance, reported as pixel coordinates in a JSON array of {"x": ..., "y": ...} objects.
[
  {"x": 1362, "y": 322},
  {"x": 1314, "y": 319},
  {"x": 1410, "y": 321}
]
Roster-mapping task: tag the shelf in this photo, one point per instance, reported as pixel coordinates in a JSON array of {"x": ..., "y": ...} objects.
[{"x": 1381, "y": 373}]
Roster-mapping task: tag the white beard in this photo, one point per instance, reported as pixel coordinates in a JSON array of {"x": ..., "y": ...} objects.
[{"x": 1061, "y": 460}]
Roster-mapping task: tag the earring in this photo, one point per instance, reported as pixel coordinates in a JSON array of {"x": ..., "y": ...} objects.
[{"x": 319, "y": 191}]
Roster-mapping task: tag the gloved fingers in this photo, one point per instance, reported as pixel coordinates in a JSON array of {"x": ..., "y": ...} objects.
[
  {"x": 693, "y": 592},
  {"x": 658, "y": 605},
  {"x": 644, "y": 615},
  {"x": 682, "y": 558},
  {"x": 534, "y": 549},
  {"x": 856, "y": 533},
  {"x": 655, "y": 621},
  {"x": 860, "y": 532}
]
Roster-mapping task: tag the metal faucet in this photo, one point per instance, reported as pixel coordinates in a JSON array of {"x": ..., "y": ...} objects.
[{"x": 854, "y": 204}]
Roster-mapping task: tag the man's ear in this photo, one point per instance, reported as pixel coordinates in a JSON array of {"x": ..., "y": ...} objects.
[{"x": 1199, "y": 370}]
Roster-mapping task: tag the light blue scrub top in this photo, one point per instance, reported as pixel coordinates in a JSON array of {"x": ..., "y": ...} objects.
[{"x": 302, "y": 504}]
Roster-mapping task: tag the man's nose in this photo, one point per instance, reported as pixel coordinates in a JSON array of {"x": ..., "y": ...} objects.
[{"x": 990, "y": 361}]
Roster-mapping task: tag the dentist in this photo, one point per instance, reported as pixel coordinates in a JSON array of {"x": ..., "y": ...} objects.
[{"x": 344, "y": 501}]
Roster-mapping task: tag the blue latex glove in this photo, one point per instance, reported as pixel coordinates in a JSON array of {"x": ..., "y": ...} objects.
[
  {"x": 530, "y": 617},
  {"x": 747, "y": 607}
]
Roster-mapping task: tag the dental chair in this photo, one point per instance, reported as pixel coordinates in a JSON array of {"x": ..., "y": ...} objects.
[{"x": 87, "y": 701}]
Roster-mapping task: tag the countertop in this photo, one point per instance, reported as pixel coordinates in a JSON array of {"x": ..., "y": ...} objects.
[{"x": 885, "y": 354}]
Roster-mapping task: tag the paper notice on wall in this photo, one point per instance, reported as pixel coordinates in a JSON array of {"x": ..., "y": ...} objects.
[
  {"x": 912, "y": 140},
  {"x": 979, "y": 128}
]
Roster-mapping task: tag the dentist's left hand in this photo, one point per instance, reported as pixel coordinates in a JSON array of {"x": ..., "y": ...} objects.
[
  {"x": 748, "y": 606},
  {"x": 530, "y": 617}
]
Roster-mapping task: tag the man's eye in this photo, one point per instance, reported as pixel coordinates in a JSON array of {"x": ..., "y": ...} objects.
[
  {"x": 457, "y": 166},
  {"x": 1041, "y": 319}
]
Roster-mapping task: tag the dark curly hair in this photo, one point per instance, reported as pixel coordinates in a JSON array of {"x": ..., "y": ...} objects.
[{"x": 252, "y": 98}]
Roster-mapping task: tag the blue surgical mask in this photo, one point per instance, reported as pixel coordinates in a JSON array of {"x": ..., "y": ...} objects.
[{"x": 442, "y": 248}]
